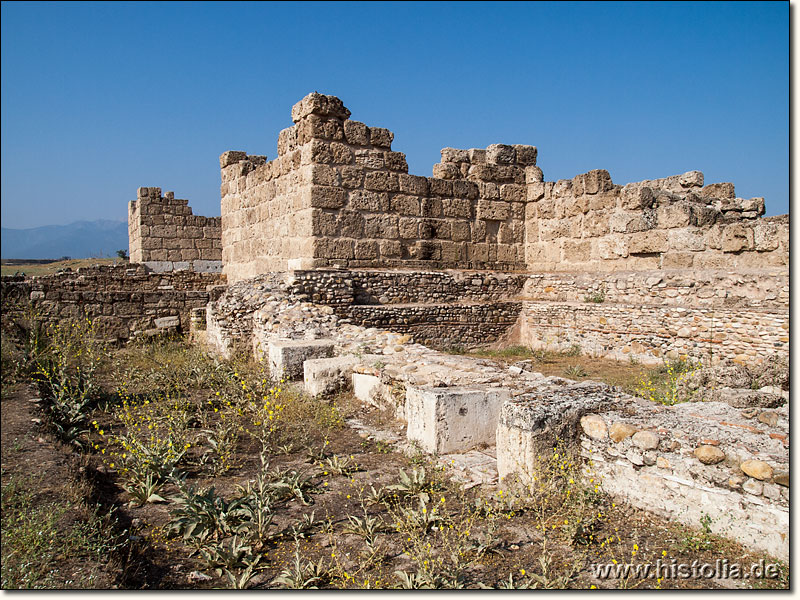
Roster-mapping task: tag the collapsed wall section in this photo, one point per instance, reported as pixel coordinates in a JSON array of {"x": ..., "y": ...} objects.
[{"x": 164, "y": 235}]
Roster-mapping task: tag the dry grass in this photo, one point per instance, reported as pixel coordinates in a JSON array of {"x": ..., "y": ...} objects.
[{"x": 35, "y": 269}]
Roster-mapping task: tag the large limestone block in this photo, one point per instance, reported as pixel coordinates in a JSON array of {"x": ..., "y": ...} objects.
[
  {"x": 322, "y": 376},
  {"x": 648, "y": 242},
  {"x": 319, "y": 104},
  {"x": 501, "y": 154},
  {"x": 737, "y": 237},
  {"x": 286, "y": 358},
  {"x": 453, "y": 419}
]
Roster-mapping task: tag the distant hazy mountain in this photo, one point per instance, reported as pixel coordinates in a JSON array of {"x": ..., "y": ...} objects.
[{"x": 82, "y": 239}]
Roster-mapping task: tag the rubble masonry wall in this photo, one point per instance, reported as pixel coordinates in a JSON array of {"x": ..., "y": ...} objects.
[{"x": 121, "y": 300}]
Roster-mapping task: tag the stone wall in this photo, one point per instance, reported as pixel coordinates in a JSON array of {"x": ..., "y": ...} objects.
[
  {"x": 338, "y": 195},
  {"x": 121, "y": 300},
  {"x": 441, "y": 325},
  {"x": 439, "y": 309},
  {"x": 590, "y": 224},
  {"x": 344, "y": 287},
  {"x": 768, "y": 288},
  {"x": 652, "y": 333},
  {"x": 686, "y": 462},
  {"x": 164, "y": 234}
]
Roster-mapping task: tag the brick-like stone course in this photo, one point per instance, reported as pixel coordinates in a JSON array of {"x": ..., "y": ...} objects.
[{"x": 345, "y": 287}]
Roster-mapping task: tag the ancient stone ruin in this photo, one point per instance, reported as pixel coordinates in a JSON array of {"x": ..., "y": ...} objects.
[{"x": 344, "y": 271}]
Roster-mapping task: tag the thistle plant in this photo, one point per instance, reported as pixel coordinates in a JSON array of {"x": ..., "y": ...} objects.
[{"x": 302, "y": 573}]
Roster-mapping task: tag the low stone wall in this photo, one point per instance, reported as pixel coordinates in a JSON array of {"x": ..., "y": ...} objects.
[
  {"x": 702, "y": 288},
  {"x": 690, "y": 462},
  {"x": 651, "y": 333},
  {"x": 440, "y": 325},
  {"x": 121, "y": 300}
]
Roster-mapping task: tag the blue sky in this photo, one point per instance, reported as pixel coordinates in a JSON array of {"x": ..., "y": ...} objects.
[{"x": 99, "y": 99}]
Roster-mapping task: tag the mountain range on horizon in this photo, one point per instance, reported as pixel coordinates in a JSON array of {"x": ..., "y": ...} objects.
[{"x": 82, "y": 239}]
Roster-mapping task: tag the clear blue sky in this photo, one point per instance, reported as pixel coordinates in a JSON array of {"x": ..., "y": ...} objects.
[{"x": 99, "y": 99}]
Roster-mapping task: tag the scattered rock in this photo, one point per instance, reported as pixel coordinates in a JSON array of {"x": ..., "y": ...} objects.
[
  {"x": 663, "y": 463},
  {"x": 620, "y": 431},
  {"x": 749, "y": 413},
  {"x": 646, "y": 440},
  {"x": 756, "y": 468},
  {"x": 196, "y": 576},
  {"x": 709, "y": 455},
  {"x": 594, "y": 426}
]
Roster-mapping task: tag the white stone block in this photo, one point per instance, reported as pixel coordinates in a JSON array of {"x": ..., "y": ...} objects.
[
  {"x": 453, "y": 419},
  {"x": 159, "y": 266},
  {"x": 286, "y": 357},
  {"x": 207, "y": 266},
  {"x": 167, "y": 322},
  {"x": 327, "y": 375}
]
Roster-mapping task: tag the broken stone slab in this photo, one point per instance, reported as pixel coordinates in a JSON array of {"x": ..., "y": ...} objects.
[
  {"x": 286, "y": 357},
  {"x": 453, "y": 419},
  {"x": 323, "y": 376}
]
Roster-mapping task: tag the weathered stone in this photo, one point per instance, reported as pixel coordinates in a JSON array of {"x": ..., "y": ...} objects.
[
  {"x": 768, "y": 418},
  {"x": 751, "y": 486},
  {"x": 645, "y": 440},
  {"x": 167, "y": 322},
  {"x": 500, "y": 154},
  {"x": 453, "y": 419},
  {"x": 709, "y": 455},
  {"x": 635, "y": 457},
  {"x": 286, "y": 358},
  {"x": 619, "y": 431},
  {"x": 594, "y": 426},
  {"x": 782, "y": 478},
  {"x": 322, "y": 376},
  {"x": 757, "y": 469}
]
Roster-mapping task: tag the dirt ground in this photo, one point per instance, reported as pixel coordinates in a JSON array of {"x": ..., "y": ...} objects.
[{"x": 503, "y": 543}]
